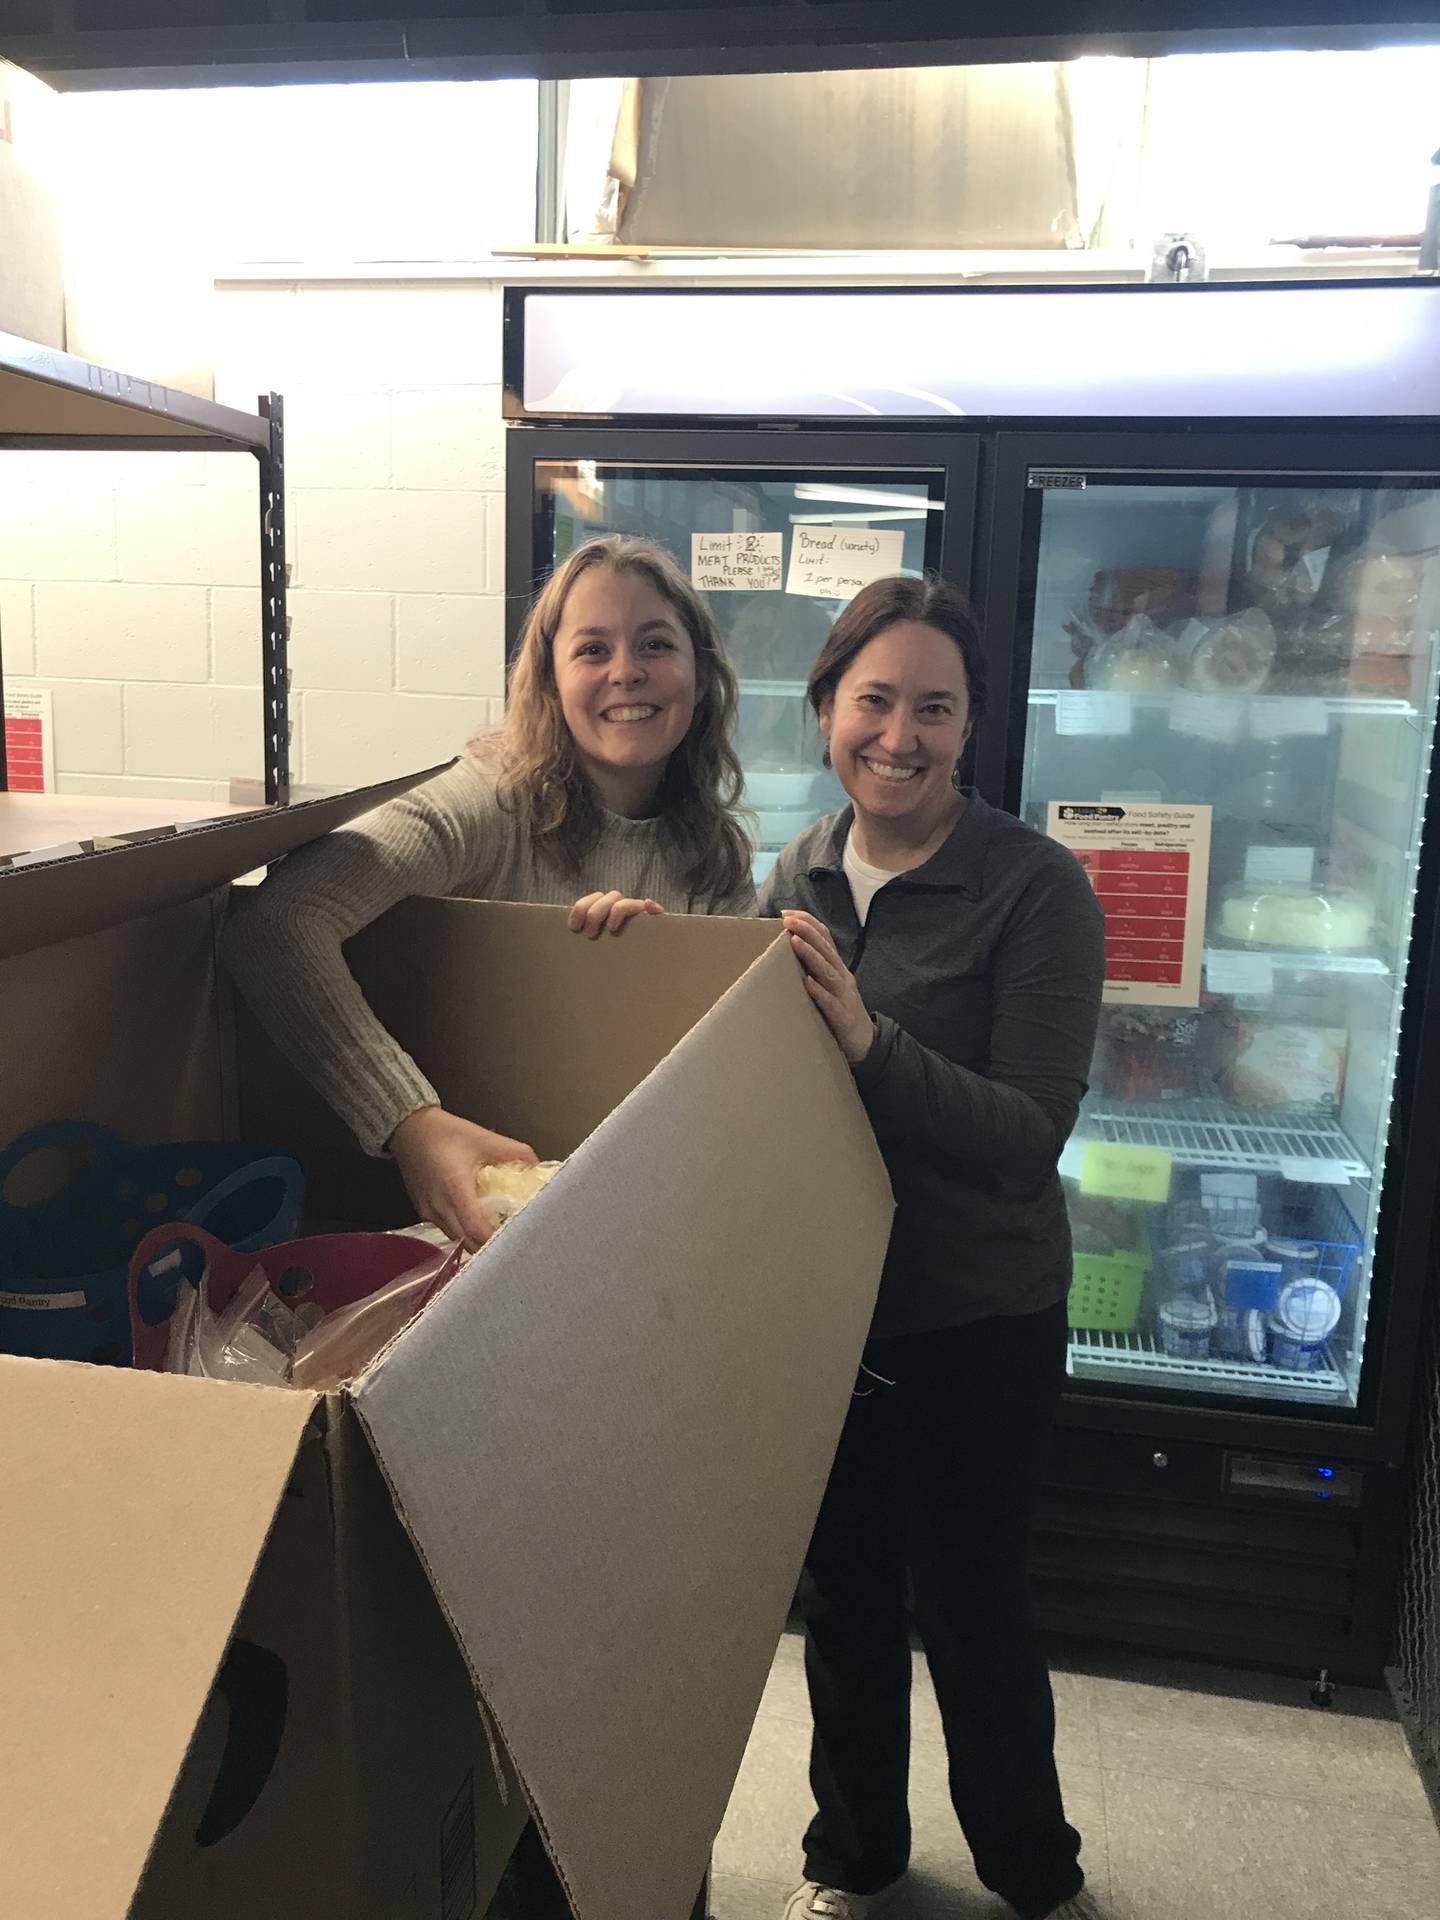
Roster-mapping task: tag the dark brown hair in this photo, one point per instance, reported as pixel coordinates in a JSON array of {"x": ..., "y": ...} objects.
[
  {"x": 883, "y": 604},
  {"x": 540, "y": 776}
]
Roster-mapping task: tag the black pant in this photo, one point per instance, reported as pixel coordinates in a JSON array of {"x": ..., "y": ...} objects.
[{"x": 931, "y": 1495}]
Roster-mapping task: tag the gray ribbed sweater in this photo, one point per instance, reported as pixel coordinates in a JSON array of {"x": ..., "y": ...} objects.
[{"x": 450, "y": 836}]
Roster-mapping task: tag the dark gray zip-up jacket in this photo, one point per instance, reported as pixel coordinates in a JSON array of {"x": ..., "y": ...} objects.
[{"x": 982, "y": 970}]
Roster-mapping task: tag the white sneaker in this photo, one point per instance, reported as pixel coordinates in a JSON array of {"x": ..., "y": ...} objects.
[
  {"x": 812, "y": 1902},
  {"x": 1082, "y": 1907}
]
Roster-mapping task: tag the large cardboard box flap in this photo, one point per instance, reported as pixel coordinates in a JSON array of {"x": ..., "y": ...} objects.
[
  {"x": 58, "y": 893},
  {"x": 133, "y": 1511},
  {"x": 610, "y": 1436}
]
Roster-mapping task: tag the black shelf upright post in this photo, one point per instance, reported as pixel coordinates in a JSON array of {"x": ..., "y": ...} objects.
[{"x": 274, "y": 620}]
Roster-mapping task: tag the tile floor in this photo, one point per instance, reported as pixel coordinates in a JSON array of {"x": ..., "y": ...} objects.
[{"x": 1202, "y": 1794}]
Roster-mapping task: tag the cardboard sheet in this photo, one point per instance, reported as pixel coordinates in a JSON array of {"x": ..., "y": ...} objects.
[
  {"x": 133, "y": 1509},
  {"x": 81, "y": 892},
  {"x": 120, "y": 1027},
  {"x": 609, "y": 1437}
]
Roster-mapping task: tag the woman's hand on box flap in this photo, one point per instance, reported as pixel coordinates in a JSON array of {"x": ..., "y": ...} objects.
[
  {"x": 831, "y": 985},
  {"x": 438, "y": 1154},
  {"x": 597, "y": 913}
]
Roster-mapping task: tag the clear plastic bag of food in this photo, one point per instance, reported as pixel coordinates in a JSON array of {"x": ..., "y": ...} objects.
[
  {"x": 309, "y": 1313},
  {"x": 1231, "y": 654},
  {"x": 1140, "y": 658},
  {"x": 507, "y": 1185}
]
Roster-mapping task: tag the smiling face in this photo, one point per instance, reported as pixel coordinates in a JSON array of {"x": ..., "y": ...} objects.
[
  {"x": 897, "y": 723},
  {"x": 625, "y": 674}
]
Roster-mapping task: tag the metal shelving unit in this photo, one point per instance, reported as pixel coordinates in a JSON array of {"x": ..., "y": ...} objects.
[
  {"x": 1139, "y": 1356},
  {"x": 1210, "y": 1134},
  {"x": 57, "y": 402},
  {"x": 1241, "y": 707}
]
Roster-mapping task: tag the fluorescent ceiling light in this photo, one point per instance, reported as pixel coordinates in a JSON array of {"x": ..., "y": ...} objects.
[
  {"x": 873, "y": 496},
  {"x": 856, "y": 519}
]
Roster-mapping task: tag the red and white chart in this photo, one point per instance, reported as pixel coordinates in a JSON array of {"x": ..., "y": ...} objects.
[
  {"x": 29, "y": 741},
  {"x": 1150, "y": 865}
]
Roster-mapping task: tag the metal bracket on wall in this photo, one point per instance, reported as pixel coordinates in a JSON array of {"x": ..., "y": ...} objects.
[{"x": 274, "y": 622}]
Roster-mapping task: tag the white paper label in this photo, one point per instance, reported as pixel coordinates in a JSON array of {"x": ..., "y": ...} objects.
[
  {"x": 1246, "y": 973},
  {"x": 1093, "y": 713},
  {"x": 42, "y": 1302},
  {"x": 66, "y": 850},
  {"x": 1317, "y": 1173},
  {"x": 1279, "y": 866},
  {"x": 737, "y": 562},
  {"x": 833, "y": 563},
  {"x": 1229, "y": 1186},
  {"x": 1277, "y": 719},
  {"x": 1206, "y": 716}
]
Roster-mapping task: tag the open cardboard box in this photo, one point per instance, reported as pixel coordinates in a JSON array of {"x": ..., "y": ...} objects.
[{"x": 243, "y": 1629}]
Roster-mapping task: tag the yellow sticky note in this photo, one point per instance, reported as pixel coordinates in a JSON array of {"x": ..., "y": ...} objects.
[{"x": 1112, "y": 1172}]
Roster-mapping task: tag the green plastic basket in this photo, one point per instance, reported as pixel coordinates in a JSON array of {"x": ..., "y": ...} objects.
[{"x": 1106, "y": 1288}]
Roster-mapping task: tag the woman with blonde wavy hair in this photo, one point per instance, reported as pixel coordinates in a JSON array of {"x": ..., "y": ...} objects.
[{"x": 611, "y": 787}]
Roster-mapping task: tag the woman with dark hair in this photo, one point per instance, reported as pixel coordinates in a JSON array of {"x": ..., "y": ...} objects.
[
  {"x": 957, "y": 957},
  {"x": 613, "y": 778}
]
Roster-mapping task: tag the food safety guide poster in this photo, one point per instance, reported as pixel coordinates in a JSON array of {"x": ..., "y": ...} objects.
[{"x": 1150, "y": 865}]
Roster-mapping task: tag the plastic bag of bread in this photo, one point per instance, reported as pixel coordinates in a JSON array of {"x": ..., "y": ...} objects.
[
  {"x": 1138, "y": 659},
  {"x": 1232, "y": 654},
  {"x": 1380, "y": 595},
  {"x": 506, "y": 1186},
  {"x": 1289, "y": 557}
]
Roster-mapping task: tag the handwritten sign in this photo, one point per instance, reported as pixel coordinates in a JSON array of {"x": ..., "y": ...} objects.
[
  {"x": 1111, "y": 1172},
  {"x": 833, "y": 563},
  {"x": 737, "y": 562}
]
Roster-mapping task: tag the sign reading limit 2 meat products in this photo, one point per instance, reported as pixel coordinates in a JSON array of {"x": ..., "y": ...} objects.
[{"x": 1150, "y": 865}]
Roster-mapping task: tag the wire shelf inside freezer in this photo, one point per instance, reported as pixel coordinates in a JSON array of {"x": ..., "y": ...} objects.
[
  {"x": 1140, "y": 1354},
  {"x": 1208, "y": 1133},
  {"x": 1256, "y": 705}
]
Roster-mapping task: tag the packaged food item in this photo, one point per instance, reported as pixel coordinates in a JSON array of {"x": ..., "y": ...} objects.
[
  {"x": 1280, "y": 1065},
  {"x": 1151, "y": 1053},
  {"x": 505, "y": 1186},
  {"x": 1297, "y": 1259},
  {"x": 1186, "y": 1323},
  {"x": 1186, "y": 1264},
  {"x": 1298, "y": 919},
  {"x": 1248, "y": 1280},
  {"x": 1138, "y": 659},
  {"x": 1231, "y": 654},
  {"x": 1241, "y": 1333},
  {"x": 1117, "y": 594},
  {"x": 310, "y": 1312},
  {"x": 1289, "y": 558},
  {"x": 1306, "y": 1314},
  {"x": 1379, "y": 593}
]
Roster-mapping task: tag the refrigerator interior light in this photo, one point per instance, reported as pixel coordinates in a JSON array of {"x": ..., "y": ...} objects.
[{"x": 867, "y": 496}]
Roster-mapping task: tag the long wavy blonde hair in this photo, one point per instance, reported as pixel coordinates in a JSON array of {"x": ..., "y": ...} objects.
[{"x": 538, "y": 771}]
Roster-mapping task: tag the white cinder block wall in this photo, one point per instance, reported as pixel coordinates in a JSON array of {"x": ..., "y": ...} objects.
[{"x": 128, "y": 582}]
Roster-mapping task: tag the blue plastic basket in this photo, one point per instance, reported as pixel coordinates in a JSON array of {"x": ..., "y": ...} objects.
[{"x": 64, "y": 1260}]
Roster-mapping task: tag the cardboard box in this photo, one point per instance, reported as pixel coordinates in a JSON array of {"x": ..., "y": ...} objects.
[
  {"x": 243, "y": 1630},
  {"x": 32, "y": 282}
]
